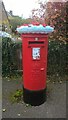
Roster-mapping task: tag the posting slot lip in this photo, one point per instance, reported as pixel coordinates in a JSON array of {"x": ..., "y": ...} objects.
[{"x": 35, "y": 42}]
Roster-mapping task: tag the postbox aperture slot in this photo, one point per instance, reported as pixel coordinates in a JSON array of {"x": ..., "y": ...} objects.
[{"x": 36, "y": 42}]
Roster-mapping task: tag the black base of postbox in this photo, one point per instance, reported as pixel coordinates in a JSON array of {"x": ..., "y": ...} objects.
[{"x": 34, "y": 98}]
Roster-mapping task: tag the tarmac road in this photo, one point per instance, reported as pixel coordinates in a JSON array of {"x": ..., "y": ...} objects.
[{"x": 54, "y": 107}]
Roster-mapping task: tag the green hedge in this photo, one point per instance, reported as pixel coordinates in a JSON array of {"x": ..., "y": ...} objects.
[
  {"x": 57, "y": 57},
  {"x": 9, "y": 60}
]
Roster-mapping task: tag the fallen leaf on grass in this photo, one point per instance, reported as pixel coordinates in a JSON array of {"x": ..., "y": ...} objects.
[
  {"x": 3, "y": 110},
  {"x": 8, "y": 80},
  {"x": 53, "y": 82},
  {"x": 48, "y": 81},
  {"x": 28, "y": 105},
  {"x": 60, "y": 82},
  {"x": 24, "y": 111},
  {"x": 18, "y": 114}
]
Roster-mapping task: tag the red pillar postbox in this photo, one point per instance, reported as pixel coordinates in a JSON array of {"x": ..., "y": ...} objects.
[
  {"x": 34, "y": 67},
  {"x": 34, "y": 49}
]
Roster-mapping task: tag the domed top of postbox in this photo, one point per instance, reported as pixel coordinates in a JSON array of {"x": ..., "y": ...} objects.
[{"x": 35, "y": 29}]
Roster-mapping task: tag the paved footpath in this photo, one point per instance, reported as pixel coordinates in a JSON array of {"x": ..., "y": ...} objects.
[
  {"x": 0, "y": 97},
  {"x": 54, "y": 107}
]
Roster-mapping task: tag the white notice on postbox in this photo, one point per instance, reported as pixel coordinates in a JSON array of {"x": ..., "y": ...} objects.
[{"x": 36, "y": 53}]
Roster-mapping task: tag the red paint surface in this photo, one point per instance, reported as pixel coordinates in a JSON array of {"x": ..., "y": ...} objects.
[{"x": 34, "y": 71}]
